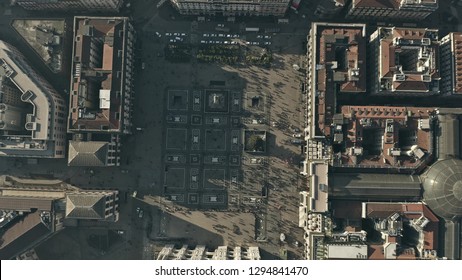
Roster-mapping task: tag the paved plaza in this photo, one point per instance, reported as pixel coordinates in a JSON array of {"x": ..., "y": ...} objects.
[
  {"x": 189, "y": 148},
  {"x": 204, "y": 163}
]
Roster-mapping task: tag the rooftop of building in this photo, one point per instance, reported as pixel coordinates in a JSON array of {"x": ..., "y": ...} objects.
[
  {"x": 96, "y": 97},
  {"x": 339, "y": 65},
  {"x": 33, "y": 90},
  {"x": 394, "y": 4},
  {"x": 318, "y": 201},
  {"x": 377, "y": 252},
  {"x": 449, "y": 144},
  {"x": 374, "y": 186},
  {"x": 26, "y": 204},
  {"x": 347, "y": 251},
  {"x": 457, "y": 46},
  {"x": 418, "y": 215},
  {"x": 71, "y": 4},
  {"x": 420, "y": 3},
  {"x": 408, "y": 60},
  {"x": 332, "y": 4},
  {"x": 88, "y": 153},
  {"x": 22, "y": 234},
  {"x": 381, "y": 136},
  {"x": 88, "y": 205},
  {"x": 382, "y": 210},
  {"x": 455, "y": 41},
  {"x": 201, "y": 252},
  {"x": 38, "y": 187},
  {"x": 31, "y": 195},
  {"x": 346, "y": 209}
]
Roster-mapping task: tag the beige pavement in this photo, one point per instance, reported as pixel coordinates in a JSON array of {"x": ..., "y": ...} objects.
[{"x": 280, "y": 84}]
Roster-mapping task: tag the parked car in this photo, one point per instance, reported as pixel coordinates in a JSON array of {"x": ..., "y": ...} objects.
[
  {"x": 168, "y": 34},
  {"x": 296, "y": 141},
  {"x": 140, "y": 214},
  {"x": 267, "y": 37},
  {"x": 297, "y": 135},
  {"x": 206, "y": 35},
  {"x": 176, "y": 34}
]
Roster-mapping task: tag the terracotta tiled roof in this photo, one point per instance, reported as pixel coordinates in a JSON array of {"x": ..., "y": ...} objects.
[
  {"x": 376, "y": 3},
  {"x": 387, "y": 58},
  {"x": 382, "y": 211},
  {"x": 345, "y": 209},
  {"x": 396, "y": 70},
  {"x": 409, "y": 211},
  {"x": 378, "y": 116},
  {"x": 410, "y": 86},
  {"x": 375, "y": 252},
  {"x": 341, "y": 57},
  {"x": 110, "y": 34}
]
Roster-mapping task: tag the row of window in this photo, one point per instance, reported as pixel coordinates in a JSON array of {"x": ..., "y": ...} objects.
[{"x": 386, "y": 13}]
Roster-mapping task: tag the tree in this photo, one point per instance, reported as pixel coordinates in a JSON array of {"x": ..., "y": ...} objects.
[{"x": 256, "y": 143}]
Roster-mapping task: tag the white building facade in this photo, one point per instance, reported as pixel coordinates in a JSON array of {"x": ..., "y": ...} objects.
[{"x": 232, "y": 7}]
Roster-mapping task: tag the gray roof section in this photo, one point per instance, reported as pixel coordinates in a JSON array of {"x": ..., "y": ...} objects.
[
  {"x": 452, "y": 236},
  {"x": 443, "y": 188},
  {"x": 23, "y": 234},
  {"x": 448, "y": 137},
  {"x": 34, "y": 90},
  {"x": 89, "y": 153},
  {"x": 364, "y": 186},
  {"x": 86, "y": 206},
  {"x": 26, "y": 203}
]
